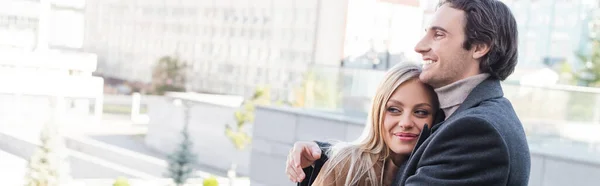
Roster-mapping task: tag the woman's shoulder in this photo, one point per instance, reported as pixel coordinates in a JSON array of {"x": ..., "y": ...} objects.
[
  {"x": 343, "y": 159},
  {"x": 342, "y": 156},
  {"x": 349, "y": 161}
]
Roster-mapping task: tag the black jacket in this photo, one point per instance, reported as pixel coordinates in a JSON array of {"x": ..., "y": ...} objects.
[{"x": 312, "y": 172}]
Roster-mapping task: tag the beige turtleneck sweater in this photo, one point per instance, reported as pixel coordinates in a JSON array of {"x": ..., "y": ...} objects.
[{"x": 453, "y": 95}]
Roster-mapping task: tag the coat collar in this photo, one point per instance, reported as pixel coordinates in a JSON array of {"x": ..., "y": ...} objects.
[{"x": 486, "y": 90}]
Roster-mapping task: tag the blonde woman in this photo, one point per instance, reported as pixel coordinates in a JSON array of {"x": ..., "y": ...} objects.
[{"x": 402, "y": 107}]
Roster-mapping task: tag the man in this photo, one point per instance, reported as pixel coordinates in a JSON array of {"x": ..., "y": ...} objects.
[{"x": 470, "y": 46}]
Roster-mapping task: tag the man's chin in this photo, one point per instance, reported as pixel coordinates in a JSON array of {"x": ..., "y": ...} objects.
[
  {"x": 425, "y": 77},
  {"x": 428, "y": 78}
]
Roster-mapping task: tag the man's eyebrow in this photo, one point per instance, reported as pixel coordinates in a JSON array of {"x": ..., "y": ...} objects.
[{"x": 437, "y": 28}]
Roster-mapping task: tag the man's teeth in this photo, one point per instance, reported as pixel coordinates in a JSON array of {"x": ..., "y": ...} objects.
[{"x": 427, "y": 62}]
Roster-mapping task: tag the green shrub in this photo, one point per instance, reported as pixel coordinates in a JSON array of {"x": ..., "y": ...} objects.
[
  {"x": 121, "y": 181},
  {"x": 211, "y": 181}
]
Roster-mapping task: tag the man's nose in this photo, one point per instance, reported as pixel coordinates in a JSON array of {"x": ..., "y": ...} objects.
[{"x": 423, "y": 45}]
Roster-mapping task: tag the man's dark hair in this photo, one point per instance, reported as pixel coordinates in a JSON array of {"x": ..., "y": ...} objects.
[{"x": 490, "y": 22}]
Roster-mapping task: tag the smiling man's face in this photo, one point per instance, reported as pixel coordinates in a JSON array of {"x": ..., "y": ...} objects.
[{"x": 445, "y": 59}]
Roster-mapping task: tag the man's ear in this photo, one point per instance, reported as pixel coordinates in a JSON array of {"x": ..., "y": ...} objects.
[{"x": 480, "y": 50}]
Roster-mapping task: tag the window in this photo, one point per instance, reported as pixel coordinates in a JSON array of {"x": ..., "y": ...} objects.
[
  {"x": 191, "y": 12},
  {"x": 278, "y": 16},
  {"x": 282, "y": 35},
  {"x": 251, "y": 33},
  {"x": 179, "y": 29},
  {"x": 233, "y": 51},
  {"x": 308, "y": 17},
  {"x": 263, "y": 53},
  {"x": 259, "y": 72},
  {"x": 285, "y": 16},
  {"x": 292, "y": 55},
  {"x": 226, "y": 68},
  {"x": 242, "y": 32},
  {"x": 282, "y": 55},
  {"x": 212, "y": 31},
  {"x": 160, "y": 12},
  {"x": 308, "y": 36},
  {"x": 232, "y": 32},
  {"x": 293, "y": 16},
  {"x": 242, "y": 73},
  {"x": 308, "y": 57},
  {"x": 208, "y": 12},
  {"x": 216, "y": 50},
  {"x": 224, "y": 32},
  {"x": 253, "y": 53},
  {"x": 177, "y": 11},
  {"x": 208, "y": 48},
  {"x": 244, "y": 52},
  {"x": 223, "y": 51}
]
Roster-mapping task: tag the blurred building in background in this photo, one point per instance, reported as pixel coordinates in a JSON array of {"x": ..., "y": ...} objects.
[
  {"x": 43, "y": 37},
  {"x": 41, "y": 58},
  {"x": 233, "y": 45},
  {"x": 551, "y": 32},
  {"x": 381, "y": 33},
  {"x": 19, "y": 23},
  {"x": 31, "y": 24}
]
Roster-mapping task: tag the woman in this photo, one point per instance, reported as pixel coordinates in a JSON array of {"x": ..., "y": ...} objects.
[{"x": 402, "y": 106}]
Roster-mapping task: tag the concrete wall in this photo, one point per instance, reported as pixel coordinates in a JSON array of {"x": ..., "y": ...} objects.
[
  {"x": 208, "y": 116},
  {"x": 556, "y": 166},
  {"x": 276, "y": 129}
]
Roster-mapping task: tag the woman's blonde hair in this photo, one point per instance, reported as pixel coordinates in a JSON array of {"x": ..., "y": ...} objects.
[{"x": 361, "y": 155}]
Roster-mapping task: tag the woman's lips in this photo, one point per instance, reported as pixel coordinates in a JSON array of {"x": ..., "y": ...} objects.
[{"x": 406, "y": 136}]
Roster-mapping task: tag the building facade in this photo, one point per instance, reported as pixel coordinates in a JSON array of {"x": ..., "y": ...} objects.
[
  {"x": 381, "y": 33},
  {"x": 40, "y": 43},
  {"x": 233, "y": 45},
  {"x": 552, "y": 31},
  {"x": 41, "y": 24}
]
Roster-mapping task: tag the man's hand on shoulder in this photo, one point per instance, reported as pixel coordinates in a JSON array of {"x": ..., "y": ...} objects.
[{"x": 302, "y": 155}]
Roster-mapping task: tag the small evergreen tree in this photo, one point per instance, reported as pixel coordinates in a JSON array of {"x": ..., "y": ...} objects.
[
  {"x": 181, "y": 162},
  {"x": 48, "y": 165}
]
